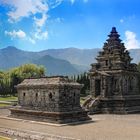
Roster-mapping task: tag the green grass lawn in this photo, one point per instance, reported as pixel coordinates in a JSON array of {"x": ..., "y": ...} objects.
[
  {"x": 4, "y": 105},
  {"x": 4, "y": 138},
  {"x": 9, "y": 98},
  {"x": 7, "y": 101}
]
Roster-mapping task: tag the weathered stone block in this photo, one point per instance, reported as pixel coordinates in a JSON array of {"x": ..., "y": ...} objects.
[{"x": 52, "y": 99}]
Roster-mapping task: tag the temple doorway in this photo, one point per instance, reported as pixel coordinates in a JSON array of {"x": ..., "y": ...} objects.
[{"x": 97, "y": 87}]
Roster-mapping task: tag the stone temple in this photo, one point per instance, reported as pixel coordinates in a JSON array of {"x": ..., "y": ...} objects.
[
  {"x": 114, "y": 80},
  {"x": 52, "y": 99}
]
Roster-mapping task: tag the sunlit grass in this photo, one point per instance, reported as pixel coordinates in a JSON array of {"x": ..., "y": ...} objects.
[
  {"x": 9, "y": 98},
  {"x": 4, "y": 138},
  {"x": 4, "y": 105}
]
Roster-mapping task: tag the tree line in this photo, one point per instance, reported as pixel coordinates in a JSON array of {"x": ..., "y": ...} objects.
[
  {"x": 138, "y": 66},
  {"x": 9, "y": 79},
  {"x": 83, "y": 79}
]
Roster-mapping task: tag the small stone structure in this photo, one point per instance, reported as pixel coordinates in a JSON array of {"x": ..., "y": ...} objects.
[
  {"x": 52, "y": 99},
  {"x": 114, "y": 80}
]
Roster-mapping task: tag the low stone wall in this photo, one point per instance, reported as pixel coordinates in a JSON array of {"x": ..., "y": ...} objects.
[
  {"x": 52, "y": 117},
  {"x": 30, "y": 135}
]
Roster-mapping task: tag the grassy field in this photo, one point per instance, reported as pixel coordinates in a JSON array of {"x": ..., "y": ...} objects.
[
  {"x": 9, "y": 98},
  {"x": 7, "y": 101},
  {"x": 4, "y": 105},
  {"x": 4, "y": 138}
]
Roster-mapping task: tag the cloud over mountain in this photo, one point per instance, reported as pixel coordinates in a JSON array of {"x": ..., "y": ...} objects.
[
  {"x": 18, "y": 34},
  {"x": 131, "y": 41}
]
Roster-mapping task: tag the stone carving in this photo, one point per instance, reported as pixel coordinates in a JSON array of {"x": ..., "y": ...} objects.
[
  {"x": 53, "y": 99},
  {"x": 115, "y": 78}
]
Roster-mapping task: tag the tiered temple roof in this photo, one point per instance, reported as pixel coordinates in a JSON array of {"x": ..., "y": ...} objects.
[{"x": 114, "y": 55}]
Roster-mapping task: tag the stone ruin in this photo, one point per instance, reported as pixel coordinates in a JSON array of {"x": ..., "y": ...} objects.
[
  {"x": 51, "y": 99},
  {"x": 114, "y": 80}
]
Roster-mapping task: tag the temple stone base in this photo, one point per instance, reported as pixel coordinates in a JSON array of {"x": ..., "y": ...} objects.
[
  {"x": 123, "y": 105},
  {"x": 51, "y": 117},
  {"x": 118, "y": 105}
]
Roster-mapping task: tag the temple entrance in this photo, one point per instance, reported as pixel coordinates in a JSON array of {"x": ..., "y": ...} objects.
[{"x": 97, "y": 87}]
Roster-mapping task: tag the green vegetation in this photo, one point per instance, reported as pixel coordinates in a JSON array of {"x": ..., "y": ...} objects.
[
  {"x": 4, "y": 138},
  {"x": 138, "y": 66},
  {"x": 9, "y": 98},
  {"x": 4, "y": 105},
  {"x": 8, "y": 101},
  {"x": 9, "y": 79},
  {"x": 83, "y": 79}
]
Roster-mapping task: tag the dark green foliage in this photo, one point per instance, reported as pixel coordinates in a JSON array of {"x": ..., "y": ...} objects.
[
  {"x": 9, "y": 79},
  {"x": 83, "y": 79},
  {"x": 5, "y": 83},
  {"x": 138, "y": 66}
]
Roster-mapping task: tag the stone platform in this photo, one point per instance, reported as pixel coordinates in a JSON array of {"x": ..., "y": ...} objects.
[
  {"x": 51, "y": 117},
  {"x": 120, "y": 105},
  {"x": 117, "y": 105}
]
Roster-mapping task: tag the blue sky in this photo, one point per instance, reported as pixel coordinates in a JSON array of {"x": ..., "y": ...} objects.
[{"x": 36, "y": 25}]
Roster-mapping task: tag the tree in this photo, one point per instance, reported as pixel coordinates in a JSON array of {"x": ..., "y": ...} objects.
[
  {"x": 18, "y": 74},
  {"x": 83, "y": 79},
  {"x": 9, "y": 79},
  {"x": 138, "y": 66},
  {"x": 5, "y": 82}
]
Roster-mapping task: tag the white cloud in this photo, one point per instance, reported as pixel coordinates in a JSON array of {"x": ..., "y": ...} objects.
[
  {"x": 55, "y": 3},
  {"x": 40, "y": 21},
  {"x": 131, "y": 41},
  {"x": 19, "y": 9},
  {"x": 16, "y": 34},
  {"x": 38, "y": 35},
  {"x": 24, "y": 8},
  {"x": 32, "y": 40},
  {"x": 41, "y": 35}
]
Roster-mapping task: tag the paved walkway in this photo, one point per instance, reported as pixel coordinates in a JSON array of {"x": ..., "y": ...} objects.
[{"x": 104, "y": 127}]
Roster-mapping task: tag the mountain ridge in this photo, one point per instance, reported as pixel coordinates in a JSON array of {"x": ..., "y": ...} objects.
[{"x": 79, "y": 60}]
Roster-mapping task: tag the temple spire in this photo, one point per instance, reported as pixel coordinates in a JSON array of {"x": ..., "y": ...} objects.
[
  {"x": 113, "y": 41},
  {"x": 114, "y": 36},
  {"x": 113, "y": 29}
]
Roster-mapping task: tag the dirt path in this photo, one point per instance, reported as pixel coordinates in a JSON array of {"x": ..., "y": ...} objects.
[{"x": 104, "y": 127}]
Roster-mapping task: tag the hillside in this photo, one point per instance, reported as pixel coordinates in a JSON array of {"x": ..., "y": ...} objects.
[
  {"x": 56, "y": 66},
  {"x": 12, "y": 57},
  {"x": 57, "y": 61},
  {"x": 82, "y": 57}
]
